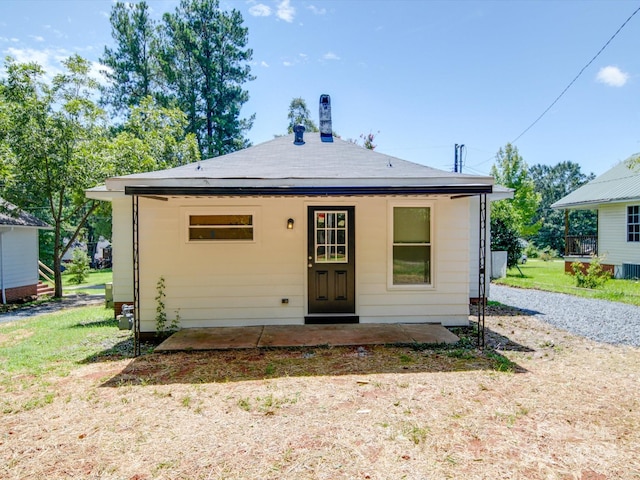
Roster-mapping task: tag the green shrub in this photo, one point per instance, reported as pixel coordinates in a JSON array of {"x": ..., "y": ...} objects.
[
  {"x": 79, "y": 268},
  {"x": 504, "y": 237},
  {"x": 531, "y": 251},
  {"x": 593, "y": 276},
  {"x": 547, "y": 254}
]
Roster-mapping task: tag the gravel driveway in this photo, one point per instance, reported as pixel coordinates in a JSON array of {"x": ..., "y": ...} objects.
[
  {"x": 599, "y": 320},
  {"x": 69, "y": 301}
]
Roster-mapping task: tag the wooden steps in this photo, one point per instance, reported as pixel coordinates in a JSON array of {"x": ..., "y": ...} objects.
[{"x": 44, "y": 289}]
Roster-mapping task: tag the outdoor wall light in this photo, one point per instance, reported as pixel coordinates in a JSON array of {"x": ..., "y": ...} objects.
[{"x": 290, "y": 224}]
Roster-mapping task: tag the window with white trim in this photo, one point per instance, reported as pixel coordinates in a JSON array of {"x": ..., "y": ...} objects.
[
  {"x": 411, "y": 257},
  {"x": 225, "y": 227},
  {"x": 633, "y": 223}
]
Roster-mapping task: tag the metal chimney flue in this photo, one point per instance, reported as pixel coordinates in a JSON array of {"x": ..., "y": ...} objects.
[
  {"x": 326, "y": 130},
  {"x": 298, "y": 130}
]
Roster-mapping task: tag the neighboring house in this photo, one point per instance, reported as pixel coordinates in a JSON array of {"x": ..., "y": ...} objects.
[
  {"x": 616, "y": 196},
  {"x": 296, "y": 231},
  {"x": 18, "y": 253}
]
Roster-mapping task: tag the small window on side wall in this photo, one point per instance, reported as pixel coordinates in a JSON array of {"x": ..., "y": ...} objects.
[
  {"x": 230, "y": 227},
  {"x": 633, "y": 223},
  {"x": 411, "y": 246}
]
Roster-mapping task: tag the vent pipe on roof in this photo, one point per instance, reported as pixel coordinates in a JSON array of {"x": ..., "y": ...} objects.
[
  {"x": 298, "y": 130},
  {"x": 326, "y": 132}
]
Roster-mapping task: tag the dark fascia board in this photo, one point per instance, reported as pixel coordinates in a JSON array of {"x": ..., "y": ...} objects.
[{"x": 335, "y": 191}]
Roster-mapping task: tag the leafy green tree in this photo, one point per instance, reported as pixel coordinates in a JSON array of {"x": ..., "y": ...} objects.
[
  {"x": 205, "y": 59},
  {"x": 552, "y": 183},
  {"x": 299, "y": 114},
  {"x": 52, "y": 147},
  {"x": 79, "y": 267},
  {"x": 152, "y": 138},
  {"x": 504, "y": 237},
  {"x": 510, "y": 170},
  {"x": 133, "y": 70}
]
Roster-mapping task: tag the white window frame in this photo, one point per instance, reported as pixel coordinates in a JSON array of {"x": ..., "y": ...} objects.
[
  {"x": 231, "y": 210},
  {"x": 390, "y": 244},
  {"x": 335, "y": 228},
  {"x": 636, "y": 224}
]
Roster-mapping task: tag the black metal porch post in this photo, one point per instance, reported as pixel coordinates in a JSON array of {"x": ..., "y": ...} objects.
[
  {"x": 482, "y": 270},
  {"x": 136, "y": 276}
]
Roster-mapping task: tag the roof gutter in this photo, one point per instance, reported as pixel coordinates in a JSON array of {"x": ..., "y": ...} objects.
[{"x": 302, "y": 191}]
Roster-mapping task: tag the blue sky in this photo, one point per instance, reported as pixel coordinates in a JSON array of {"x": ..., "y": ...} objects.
[{"x": 424, "y": 74}]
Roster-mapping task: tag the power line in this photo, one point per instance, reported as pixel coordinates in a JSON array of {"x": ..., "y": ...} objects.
[
  {"x": 569, "y": 85},
  {"x": 577, "y": 76}
]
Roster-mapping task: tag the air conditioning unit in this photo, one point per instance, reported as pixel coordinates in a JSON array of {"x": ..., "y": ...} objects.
[{"x": 630, "y": 271}]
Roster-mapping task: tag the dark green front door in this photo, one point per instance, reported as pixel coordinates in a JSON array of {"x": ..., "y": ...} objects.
[{"x": 331, "y": 260}]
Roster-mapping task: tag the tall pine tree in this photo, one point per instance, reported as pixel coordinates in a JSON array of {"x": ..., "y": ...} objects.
[
  {"x": 205, "y": 60},
  {"x": 133, "y": 70}
]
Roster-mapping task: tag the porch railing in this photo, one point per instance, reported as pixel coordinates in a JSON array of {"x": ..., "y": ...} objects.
[
  {"x": 581, "y": 245},
  {"x": 43, "y": 268}
]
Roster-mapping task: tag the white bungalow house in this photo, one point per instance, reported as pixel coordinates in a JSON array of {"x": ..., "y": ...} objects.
[
  {"x": 616, "y": 196},
  {"x": 299, "y": 230},
  {"x": 18, "y": 253}
]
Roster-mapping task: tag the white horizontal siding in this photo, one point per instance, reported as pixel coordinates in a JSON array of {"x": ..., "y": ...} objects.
[
  {"x": 218, "y": 283},
  {"x": 122, "y": 254},
  {"x": 19, "y": 258},
  {"x": 447, "y": 299},
  {"x": 612, "y": 236},
  {"x": 221, "y": 284}
]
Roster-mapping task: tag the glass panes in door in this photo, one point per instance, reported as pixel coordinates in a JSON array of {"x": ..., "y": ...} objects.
[{"x": 331, "y": 235}]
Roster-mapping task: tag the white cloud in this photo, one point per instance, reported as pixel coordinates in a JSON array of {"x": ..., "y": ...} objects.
[
  {"x": 47, "y": 58},
  {"x": 612, "y": 76},
  {"x": 316, "y": 10},
  {"x": 287, "y": 64},
  {"x": 37, "y": 38},
  {"x": 330, "y": 56},
  {"x": 264, "y": 64},
  {"x": 285, "y": 11},
  {"x": 260, "y": 10},
  {"x": 95, "y": 72},
  {"x": 51, "y": 61}
]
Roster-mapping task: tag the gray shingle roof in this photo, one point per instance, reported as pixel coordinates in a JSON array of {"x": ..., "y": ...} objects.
[
  {"x": 12, "y": 216},
  {"x": 279, "y": 162},
  {"x": 619, "y": 184}
]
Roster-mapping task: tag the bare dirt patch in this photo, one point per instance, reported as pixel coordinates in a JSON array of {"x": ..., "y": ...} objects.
[
  {"x": 14, "y": 337},
  {"x": 565, "y": 408}
]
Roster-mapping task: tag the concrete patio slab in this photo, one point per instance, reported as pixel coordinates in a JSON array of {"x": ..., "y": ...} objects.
[
  {"x": 223, "y": 338},
  {"x": 218, "y": 338},
  {"x": 332, "y": 334},
  {"x": 421, "y": 333}
]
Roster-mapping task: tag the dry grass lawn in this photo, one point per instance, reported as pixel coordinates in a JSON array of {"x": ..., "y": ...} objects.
[{"x": 566, "y": 408}]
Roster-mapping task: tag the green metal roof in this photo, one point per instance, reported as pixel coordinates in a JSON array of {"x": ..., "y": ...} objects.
[{"x": 620, "y": 184}]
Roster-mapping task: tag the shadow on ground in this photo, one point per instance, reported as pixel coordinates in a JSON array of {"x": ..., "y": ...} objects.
[{"x": 217, "y": 366}]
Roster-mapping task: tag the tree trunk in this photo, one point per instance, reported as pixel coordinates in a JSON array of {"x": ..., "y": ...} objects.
[
  {"x": 57, "y": 274},
  {"x": 57, "y": 263}
]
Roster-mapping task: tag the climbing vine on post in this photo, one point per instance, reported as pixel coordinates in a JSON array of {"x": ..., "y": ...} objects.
[{"x": 161, "y": 315}]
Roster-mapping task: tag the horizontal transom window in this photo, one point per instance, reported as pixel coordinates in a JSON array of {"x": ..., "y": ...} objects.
[{"x": 221, "y": 227}]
